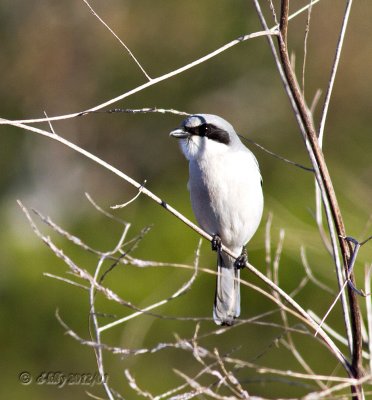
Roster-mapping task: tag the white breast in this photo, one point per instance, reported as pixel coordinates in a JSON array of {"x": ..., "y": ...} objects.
[{"x": 226, "y": 194}]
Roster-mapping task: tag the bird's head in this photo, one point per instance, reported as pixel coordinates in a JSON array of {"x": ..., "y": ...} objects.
[{"x": 205, "y": 133}]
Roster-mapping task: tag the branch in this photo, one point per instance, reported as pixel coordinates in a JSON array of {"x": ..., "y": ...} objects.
[
  {"x": 334, "y": 71},
  {"x": 309, "y": 128},
  {"x": 327, "y": 208},
  {"x": 94, "y": 320},
  {"x": 267, "y": 32},
  {"x": 154, "y": 81},
  {"x": 117, "y": 172},
  {"x": 120, "y": 41},
  {"x": 324, "y": 179}
]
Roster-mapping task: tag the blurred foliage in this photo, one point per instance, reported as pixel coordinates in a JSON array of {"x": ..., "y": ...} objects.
[{"x": 56, "y": 57}]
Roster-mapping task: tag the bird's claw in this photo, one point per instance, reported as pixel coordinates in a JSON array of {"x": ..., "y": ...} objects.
[
  {"x": 216, "y": 243},
  {"x": 242, "y": 260}
]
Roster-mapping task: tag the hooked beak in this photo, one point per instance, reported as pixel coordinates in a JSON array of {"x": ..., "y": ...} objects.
[{"x": 179, "y": 134}]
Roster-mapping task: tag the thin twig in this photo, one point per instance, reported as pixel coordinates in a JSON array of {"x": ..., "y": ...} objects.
[
  {"x": 104, "y": 212},
  {"x": 277, "y": 155},
  {"x": 185, "y": 287},
  {"x": 291, "y": 345},
  {"x": 118, "y": 249},
  {"x": 307, "y": 30},
  {"x": 268, "y": 245},
  {"x": 97, "y": 338},
  {"x": 334, "y": 333},
  {"x": 69, "y": 281},
  {"x": 315, "y": 101},
  {"x": 145, "y": 110},
  {"x": 334, "y": 71},
  {"x": 231, "y": 378},
  {"x": 133, "y": 384},
  {"x": 309, "y": 273},
  {"x": 339, "y": 387},
  {"x": 131, "y": 200},
  {"x": 117, "y": 37},
  {"x": 367, "y": 283}
]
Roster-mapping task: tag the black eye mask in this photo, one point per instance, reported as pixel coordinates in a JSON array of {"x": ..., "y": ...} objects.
[{"x": 209, "y": 131}]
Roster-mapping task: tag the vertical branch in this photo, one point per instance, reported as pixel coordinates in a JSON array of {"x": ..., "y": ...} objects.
[
  {"x": 367, "y": 286},
  {"x": 324, "y": 179},
  {"x": 327, "y": 101},
  {"x": 307, "y": 30},
  {"x": 268, "y": 245},
  {"x": 327, "y": 208},
  {"x": 93, "y": 315},
  {"x": 334, "y": 71},
  {"x": 309, "y": 129},
  {"x": 289, "y": 343}
]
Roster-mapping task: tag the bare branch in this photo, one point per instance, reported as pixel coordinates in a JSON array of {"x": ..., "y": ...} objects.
[
  {"x": 290, "y": 342},
  {"x": 69, "y": 281},
  {"x": 134, "y": 386},
  {"x": 324, "y": 181},
  {"x": 117, "y": 37},
  {"x": 97, "y": 336},
  {"x": 267, "y": 32},
  {"x": 307, "y": 30},
  {"x": 367, "y": 283},
  {"x": 122, "y": 175},
  {"x": 229, "y": 377},
  {"x": 325, "y": 393},
  {"x": 146, "y": 110},
  {"x": 277, "y": 155},
  {"x": 310, "y": 275},
  {"x": 178, "y": 293},
  {"x": 131, "y": 200},
  {"x": 300, "y": 312},
  {"x": 331, "y": 332},
  {"x": 152, "y": 82},
  {"x": 268, "y": 245},
  {"x": 334, "y": 71}
]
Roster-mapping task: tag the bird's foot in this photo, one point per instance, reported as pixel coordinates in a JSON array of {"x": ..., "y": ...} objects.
[
  {"x": 216, "y": 243},
  {"x": 242, "y": 260}
]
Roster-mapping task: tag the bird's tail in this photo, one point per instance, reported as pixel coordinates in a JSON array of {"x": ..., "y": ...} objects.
[{"x": 227, "y": 298}]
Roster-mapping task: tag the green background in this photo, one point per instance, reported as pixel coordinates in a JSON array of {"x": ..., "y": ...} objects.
[{"x": 56, "y": 57}]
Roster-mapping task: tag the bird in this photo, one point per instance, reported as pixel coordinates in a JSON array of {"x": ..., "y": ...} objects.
[{"x": 225, "y": 186}]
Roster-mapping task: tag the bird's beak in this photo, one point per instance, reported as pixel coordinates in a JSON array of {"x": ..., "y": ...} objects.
[{"x": 179, "y": 134}]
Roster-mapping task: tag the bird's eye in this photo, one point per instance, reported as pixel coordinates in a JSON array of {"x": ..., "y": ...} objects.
[{"x": 204, "y": 129}]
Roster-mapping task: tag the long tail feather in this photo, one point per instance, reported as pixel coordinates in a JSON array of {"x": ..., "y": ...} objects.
[{"x": 227, "y": 297}]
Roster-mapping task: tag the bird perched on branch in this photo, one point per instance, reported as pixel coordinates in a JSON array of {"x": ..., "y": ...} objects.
[{"x": 225, "y": 187}]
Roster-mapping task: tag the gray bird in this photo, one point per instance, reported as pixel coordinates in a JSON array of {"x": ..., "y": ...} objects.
[{"x": 225, "y": 187}]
